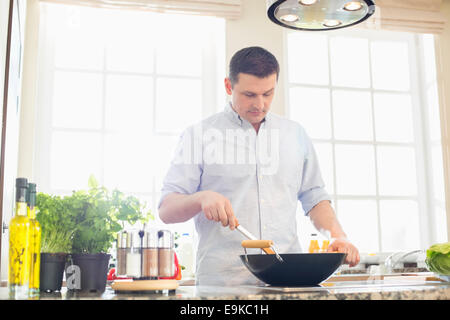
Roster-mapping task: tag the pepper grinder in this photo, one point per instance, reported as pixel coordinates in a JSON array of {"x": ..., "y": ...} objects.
[
  {"x": 150, "y": 254},
  {"x": 134, "y": 261},
  {"x": 165, "y": 254},
  {"x": 122, "y": 249}
]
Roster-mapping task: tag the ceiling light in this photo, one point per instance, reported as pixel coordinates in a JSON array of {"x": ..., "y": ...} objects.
[
  {"x": 332, "y": 23},
  {"x": 314, "y": 15},
  {"x": 307, "y": 2},
  {"x": 289, "y": 18},
  {"x": 353, "y": 6}
]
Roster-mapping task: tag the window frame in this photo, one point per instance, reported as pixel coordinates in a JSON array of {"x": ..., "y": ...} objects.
[
  {"x": 212, "y": 101},
  {"x": 422, "y": 143}
]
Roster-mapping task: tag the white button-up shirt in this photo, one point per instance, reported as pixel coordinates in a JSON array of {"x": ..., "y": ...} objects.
[{"x": 263, "y": 174}]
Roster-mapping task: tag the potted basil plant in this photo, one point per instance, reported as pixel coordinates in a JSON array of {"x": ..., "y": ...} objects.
[
  {"x": 99, "y": 216},
  {"x": 58, "y": 227}
]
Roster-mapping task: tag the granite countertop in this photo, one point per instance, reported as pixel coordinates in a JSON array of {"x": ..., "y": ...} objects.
[{"x": 419, "y": 286}]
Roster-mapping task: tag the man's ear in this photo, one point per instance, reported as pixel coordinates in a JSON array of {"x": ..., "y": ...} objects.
[{"x": 228, "y": 86}]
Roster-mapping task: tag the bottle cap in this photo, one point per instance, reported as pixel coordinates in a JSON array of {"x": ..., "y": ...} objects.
[
  {"x": 32, "y": 187},
  {"x": 31, "y": 194},
  {"x": 165, "y": 239},
  {"x": 122, "y": 239},
  {"x": 21, "y": 189},
  {"x": 21, "y": 183},
  {"x": 135, "y": 239},
  {"x": 150, "y": 238}
]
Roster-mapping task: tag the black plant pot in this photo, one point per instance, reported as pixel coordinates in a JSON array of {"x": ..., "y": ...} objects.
[
  {"x": 92, "y": 270},
  {"x": 52, "y": 271}
]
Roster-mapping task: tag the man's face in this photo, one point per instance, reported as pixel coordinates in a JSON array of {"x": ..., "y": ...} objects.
[{"x": 252, "y": 96}]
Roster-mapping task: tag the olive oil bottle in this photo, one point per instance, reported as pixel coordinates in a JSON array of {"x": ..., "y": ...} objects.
[
  {"x": 35, "y": 241},
  {"x": 19, "y": 247}
]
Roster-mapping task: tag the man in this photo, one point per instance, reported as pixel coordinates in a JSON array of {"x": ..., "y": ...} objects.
[{"x": 246, "y": 165}]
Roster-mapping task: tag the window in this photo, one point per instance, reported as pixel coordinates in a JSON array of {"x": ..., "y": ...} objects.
[
  {"x": 116, "y": 90},
  {"x": 368, "y": 100}
]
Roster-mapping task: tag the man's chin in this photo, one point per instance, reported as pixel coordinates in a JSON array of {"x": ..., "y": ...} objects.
[{"x": 256, "y": 119}]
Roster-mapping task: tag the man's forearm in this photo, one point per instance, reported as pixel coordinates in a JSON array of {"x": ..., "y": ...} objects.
[
  {"x": 178, "y": 207},
  {"x": 323, "y": 217}
]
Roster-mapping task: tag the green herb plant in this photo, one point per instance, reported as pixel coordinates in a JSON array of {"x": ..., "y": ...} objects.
[
  {"x": 87, "y": 221},
  {"x": 100, "y": 215},
  {"x": 57, "y": 223}
]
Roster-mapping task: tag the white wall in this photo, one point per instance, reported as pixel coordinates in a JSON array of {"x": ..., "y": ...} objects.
[{"x": 28, "y": 94}]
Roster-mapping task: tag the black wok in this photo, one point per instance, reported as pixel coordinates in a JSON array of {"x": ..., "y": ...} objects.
[{"x": 295, "y": 269}]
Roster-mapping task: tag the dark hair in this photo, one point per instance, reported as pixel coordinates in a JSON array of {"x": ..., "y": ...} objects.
[{"x": 256, "y": 61}]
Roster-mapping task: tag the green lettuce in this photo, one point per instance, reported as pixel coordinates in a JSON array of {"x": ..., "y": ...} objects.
[{"x": 438, "y": 258}]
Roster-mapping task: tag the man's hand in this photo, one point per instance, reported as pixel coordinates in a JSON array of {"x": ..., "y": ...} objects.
[
  {"x": 344, "y": 246},
  {"x": 323, "y": 217},
  {"x": 218, "y": 208}
]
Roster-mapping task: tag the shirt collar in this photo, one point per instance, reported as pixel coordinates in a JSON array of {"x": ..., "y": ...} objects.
[
  {"x": 236, "y": 118},
  {"x": 233, "y": 115}
]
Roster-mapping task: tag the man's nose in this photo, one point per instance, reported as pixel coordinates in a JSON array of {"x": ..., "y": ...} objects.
[{"x": 259, "y": 103}]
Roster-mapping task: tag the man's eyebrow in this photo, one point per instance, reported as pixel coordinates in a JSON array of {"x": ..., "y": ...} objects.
[{"x": 250, "y": 92}]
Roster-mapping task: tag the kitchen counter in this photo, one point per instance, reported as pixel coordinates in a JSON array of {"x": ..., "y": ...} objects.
[{"x": 418, "y": 286}]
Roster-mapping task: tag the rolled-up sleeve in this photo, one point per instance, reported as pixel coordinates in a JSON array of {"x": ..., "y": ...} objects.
[
  {"x": 184, "y": 174},
  {"x": 312, "y": 190}
]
